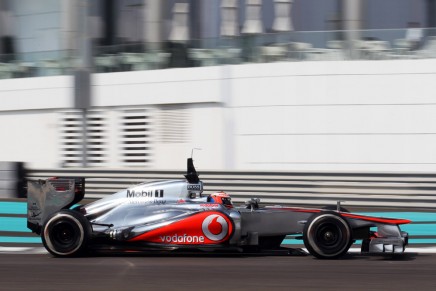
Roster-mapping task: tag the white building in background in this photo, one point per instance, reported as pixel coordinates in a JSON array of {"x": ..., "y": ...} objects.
[{"x": 302, "y": 115}]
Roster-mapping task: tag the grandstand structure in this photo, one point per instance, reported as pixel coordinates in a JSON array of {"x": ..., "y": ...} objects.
[{"x": 272, "y": 85}]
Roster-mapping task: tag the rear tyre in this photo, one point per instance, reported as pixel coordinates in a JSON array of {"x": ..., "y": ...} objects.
[
  {"x": 66, "y": 233},
  {"x": 327, "y": 235}
]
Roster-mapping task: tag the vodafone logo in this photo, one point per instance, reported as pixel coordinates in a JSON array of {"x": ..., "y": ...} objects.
[
  {"x": 215, "y": 227},
  {"x": 203, "y": 228}
]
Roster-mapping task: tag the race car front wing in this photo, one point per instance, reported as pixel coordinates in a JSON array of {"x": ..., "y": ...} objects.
[{"x": 387, "y": 239}]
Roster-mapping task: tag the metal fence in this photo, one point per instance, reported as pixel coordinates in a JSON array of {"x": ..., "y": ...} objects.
[{"x": 417, "y": 190}]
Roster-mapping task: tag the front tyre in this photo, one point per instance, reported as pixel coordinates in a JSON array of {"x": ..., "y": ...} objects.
[
  {"x": 66, "y": 233},
  {"x": 327, "y": 235}
]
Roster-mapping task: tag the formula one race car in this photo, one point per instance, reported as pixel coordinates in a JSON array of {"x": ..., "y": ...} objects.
[{"x": 173, "y": 215}]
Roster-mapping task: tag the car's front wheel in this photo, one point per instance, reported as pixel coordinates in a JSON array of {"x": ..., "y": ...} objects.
[
  {"x": 66, "y": 233},
  {"x": 327, "y": 235}
]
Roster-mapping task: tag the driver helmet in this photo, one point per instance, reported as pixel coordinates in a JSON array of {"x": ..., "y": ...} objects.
[{"x": 221, "y": 198}]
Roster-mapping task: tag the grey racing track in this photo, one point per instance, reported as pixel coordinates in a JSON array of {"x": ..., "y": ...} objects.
[{"x": 410, "y": 271}]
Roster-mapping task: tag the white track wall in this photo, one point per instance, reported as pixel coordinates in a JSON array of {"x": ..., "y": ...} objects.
[
  {"x": 356, "y": 115},
  {"x": 29, "y": 118},
  {"x": 363, "y": 116}
]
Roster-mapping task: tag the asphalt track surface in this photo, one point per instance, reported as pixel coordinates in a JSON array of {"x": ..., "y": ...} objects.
[
  {"x": 37, "y": 270},
  {"x": 411, "y": 271}
]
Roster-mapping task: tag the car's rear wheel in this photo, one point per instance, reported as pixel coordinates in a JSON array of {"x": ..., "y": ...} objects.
[
  {"x": 66, "y": 233},
  {"x": 327, "y": 235}
]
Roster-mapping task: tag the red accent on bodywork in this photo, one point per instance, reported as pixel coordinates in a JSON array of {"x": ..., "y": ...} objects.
[
  {"x": 377, "y": 219},
  {"x": 348, "y": 215},
  {"x": 190, "y": 230}
]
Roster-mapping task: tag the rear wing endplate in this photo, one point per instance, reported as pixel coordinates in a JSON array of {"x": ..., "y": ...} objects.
[{"x": 44, "y": 197}]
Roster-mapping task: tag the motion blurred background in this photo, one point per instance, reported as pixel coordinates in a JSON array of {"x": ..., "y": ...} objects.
[{"x": 313, "y": 100}]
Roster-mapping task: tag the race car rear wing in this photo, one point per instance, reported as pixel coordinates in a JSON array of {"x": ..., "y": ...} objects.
[{"x": 44, "y": 197}]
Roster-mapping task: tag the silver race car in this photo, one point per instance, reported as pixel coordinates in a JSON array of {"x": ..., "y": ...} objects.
[{"x": 174, "y": 215}]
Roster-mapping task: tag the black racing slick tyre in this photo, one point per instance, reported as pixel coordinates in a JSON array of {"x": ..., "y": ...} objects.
[
  {"x": 327, "y": 235},
  {"x": 66, "y": 233}
]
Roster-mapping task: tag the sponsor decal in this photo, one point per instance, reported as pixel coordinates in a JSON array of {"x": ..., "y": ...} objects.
[
  {"x": 34, "y": 212},
  {"x": 209, "y": 205},
  {"x": 203, "y": 228},
  {"x": 145, "y": 193},
  {"x": 215, "y": 227},
  {"x": 194, "y": 187},
  {"x": 182, "y": 238},
  {"x": 34, "y": 207},
  {"x": 154, "y": 201}
]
